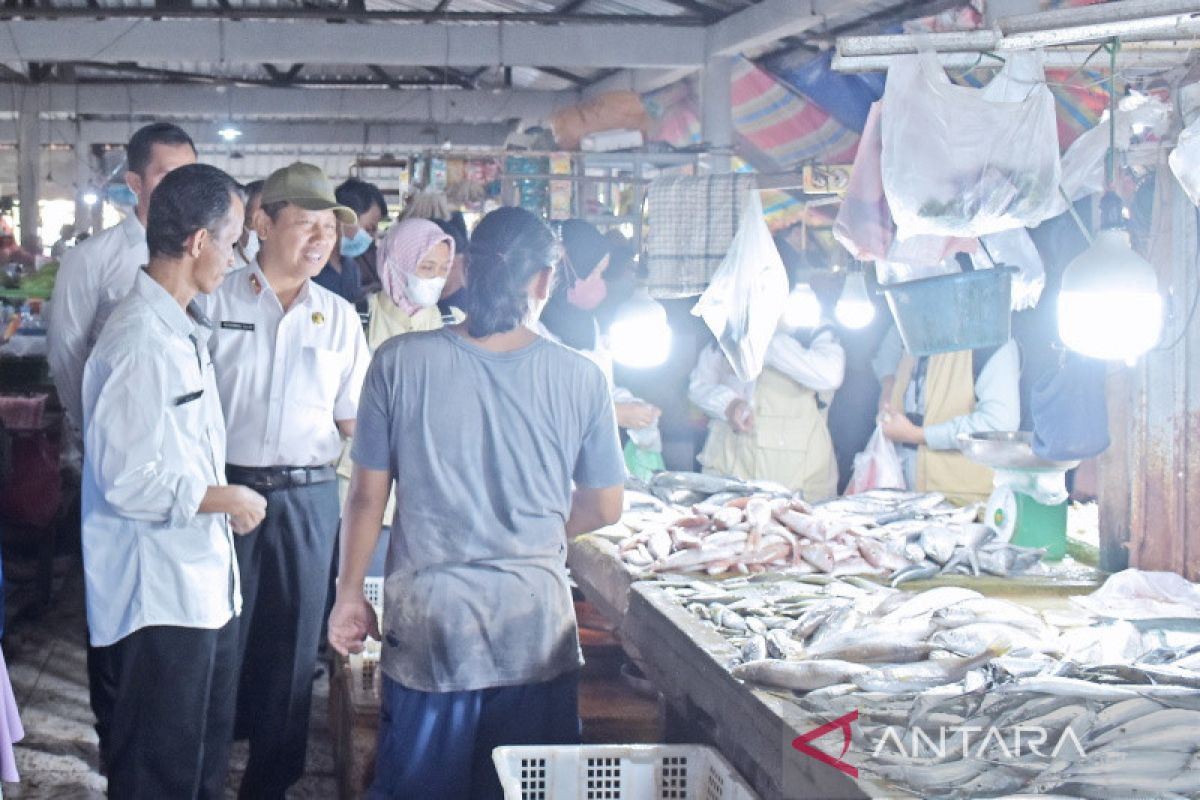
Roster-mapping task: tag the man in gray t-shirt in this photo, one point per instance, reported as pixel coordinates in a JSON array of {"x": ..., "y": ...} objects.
[{"x": 484, "y": 427}]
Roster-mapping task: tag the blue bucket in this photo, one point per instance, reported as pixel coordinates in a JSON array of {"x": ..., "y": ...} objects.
[{"x": 961, "y": 311}]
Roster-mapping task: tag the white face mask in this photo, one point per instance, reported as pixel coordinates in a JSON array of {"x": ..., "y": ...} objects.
[
  {"x": 424, "y": 291},
  {"x": 251, "y": 248}
]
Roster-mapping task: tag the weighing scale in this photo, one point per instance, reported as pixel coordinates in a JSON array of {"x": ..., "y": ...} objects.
[{"x": 1028, "y": 505}]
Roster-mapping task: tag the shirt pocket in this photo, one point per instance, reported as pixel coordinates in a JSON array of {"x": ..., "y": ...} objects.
[{"x": 320, "y": 377}]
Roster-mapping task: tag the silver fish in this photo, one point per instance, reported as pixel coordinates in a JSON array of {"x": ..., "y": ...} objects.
[
  {"x": 923, "y": 675},
  {"x": 754, "y": 649},
  {"x": 801, "y": 676},
  {"x": 915, "y": 572}
]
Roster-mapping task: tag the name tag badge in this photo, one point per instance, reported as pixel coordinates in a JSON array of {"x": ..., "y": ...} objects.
[
  {"x": 184, "y": 399},
  {"x": 238, "y": 326}
]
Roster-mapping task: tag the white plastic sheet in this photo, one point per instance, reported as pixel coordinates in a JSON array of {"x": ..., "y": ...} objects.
[
  {"x": 1137, "y": 595},
  {"x": 1084, "y": 164},
  {"x": 1185, "y": 161},
  {"x": 743, "y": 303},
  {"x": 959, "y": 161}
]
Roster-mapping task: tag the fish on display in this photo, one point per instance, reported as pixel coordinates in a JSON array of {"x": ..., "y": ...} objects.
[{"x": 748, "y": 527}]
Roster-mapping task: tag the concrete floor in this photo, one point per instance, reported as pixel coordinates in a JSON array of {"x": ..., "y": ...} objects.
[{"x": 58, "y": 757}]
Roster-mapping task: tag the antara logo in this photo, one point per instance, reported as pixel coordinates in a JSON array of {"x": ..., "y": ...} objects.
[{"x": 801, "y": 743}]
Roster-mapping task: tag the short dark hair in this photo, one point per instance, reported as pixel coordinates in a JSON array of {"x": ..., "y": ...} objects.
[
  {"x": 137, "y": 152},
  {"x": 253, "y": 189},
  {"x": 360, "y": 196},
  {"x": 456, "y": 229},
  {"x": 189, "y": 198},
  {"x": 508, "y": 248}
]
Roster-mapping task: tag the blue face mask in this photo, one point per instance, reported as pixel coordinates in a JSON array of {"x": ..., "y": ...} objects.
[{"x": 354, "y": 246}]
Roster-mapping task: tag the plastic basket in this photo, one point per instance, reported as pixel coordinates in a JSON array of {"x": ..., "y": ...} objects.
[
  {"x": 364, "y": 666},
  {"x": 960, "y": 311},
  {"x": 618, "y": 772}
]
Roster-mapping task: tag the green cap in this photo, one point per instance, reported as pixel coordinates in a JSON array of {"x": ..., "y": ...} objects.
[{"x": 306, "y": 186}]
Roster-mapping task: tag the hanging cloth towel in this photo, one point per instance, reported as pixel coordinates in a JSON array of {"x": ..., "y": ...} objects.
[{"x": 692, "y": 223}]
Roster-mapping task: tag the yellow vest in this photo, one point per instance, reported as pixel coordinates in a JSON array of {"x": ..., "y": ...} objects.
[
  {"x": 790, "y": 443},
  {"x": 949, "y": 393}
]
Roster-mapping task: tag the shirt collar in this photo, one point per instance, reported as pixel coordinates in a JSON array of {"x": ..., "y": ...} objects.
[
  {"x": 167, "y": 308},
  {"x": 135, "y": 234},
  {"x": 305, "y": 298}
]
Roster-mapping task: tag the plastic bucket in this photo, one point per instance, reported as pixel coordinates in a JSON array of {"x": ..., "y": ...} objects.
[{"x": 960, "y": 311}]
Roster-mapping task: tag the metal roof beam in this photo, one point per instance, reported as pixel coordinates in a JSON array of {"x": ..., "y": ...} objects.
[
  {"x": 244, "y": 103},
  {"x": 291, "y": 134},
  {"x": 334, "y": 14},
  {"x": 214, "y": 41},
  {"x": 762, "y": 24}
]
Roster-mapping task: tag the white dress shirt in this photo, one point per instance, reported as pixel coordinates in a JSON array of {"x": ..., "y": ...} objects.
[
  {"x": 155, "y": 442},
  {"x": 92, "y": 278},
  {"x": 286, "y": 378},
  {"x": 820, "y": 366}
]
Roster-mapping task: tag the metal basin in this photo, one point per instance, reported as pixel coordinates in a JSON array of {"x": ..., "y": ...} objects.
[{"x": 1008, "y": 450}]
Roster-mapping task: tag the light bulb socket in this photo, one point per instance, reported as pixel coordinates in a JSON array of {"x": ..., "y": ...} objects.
[{"x": 1111, "y": 211}]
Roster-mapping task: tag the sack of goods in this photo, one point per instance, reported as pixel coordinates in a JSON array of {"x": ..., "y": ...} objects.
[{"x": 960, "y": 161}]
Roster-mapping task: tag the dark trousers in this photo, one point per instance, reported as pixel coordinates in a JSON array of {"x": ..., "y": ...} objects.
[
  {"x": 102, "y": 691},
  {"x": 172, "y": 722},
  {"x": 438, "y": 745},
  {"x": 284, "y": 567}
]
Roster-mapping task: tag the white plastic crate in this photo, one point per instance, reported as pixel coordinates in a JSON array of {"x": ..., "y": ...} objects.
[
  {"x": 364, "y": 666},
  {"x": 618, "y": 772}
]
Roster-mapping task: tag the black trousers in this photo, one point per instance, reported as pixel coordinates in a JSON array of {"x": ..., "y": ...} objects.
[
  {"x": 172, "y": 722},
  {"x": 102, "y": 691},
  {"x": 285, "y": 571}
]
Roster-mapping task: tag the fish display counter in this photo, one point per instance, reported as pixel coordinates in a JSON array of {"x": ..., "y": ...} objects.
[{"x": 815, "y": 686}]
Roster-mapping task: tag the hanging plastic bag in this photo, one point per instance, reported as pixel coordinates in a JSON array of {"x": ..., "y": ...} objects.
[
  {"x": 877, "y": 466},
  {"x": 864, "y": 223},
  {"x": 959, "y": 161},
  {"x": 743, "y": 303},
  {"x": 1015, "y": 248},
  {"x": 1185, "y": 161},
  {"x": 1084, "y": 165}
]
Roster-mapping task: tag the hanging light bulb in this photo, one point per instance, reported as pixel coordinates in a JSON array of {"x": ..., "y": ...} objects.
[
  {"x": 229, "y": 132},
  {"x": 90, "y": 198},
  {"x": 1109, "y": 306},
  {"x": 639, "y": 336},
  {"x": 803, "y": 309},
  {"x": 854, "y": 308}
]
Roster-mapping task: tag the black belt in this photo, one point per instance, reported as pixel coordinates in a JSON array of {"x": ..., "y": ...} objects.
[{"x": 266, "y": 479}]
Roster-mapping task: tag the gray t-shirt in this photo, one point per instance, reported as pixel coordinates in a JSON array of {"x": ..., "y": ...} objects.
[{"x": 484, "y": 447}]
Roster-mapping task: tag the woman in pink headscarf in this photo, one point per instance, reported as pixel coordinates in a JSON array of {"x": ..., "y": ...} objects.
[{"x": 414, "y": 262}]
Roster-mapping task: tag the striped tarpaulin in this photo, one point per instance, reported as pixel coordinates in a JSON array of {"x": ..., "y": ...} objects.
[{"x": 784, "y": 126}]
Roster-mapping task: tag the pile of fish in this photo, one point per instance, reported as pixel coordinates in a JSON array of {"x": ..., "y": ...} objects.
[
  {"x": 960, "y": 695},
  {"x": 752, "y": 528}
]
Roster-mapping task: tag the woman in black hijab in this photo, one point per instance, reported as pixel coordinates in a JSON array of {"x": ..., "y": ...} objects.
[{"x": 570, "y": 314}]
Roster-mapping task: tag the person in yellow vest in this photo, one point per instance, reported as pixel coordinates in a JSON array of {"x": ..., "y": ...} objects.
[
  {"x": 414, "y": 262},
  {"x": 925, "y": 403},
  {"x": 773, "y": 428}
]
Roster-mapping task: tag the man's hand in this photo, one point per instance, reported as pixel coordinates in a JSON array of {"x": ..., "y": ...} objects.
[
  {"x": 350, "y": 623},
  {"x": 886, "y": 385},
  {"x": 900, "y": 428},
  {"x": 740, "y": 416},
  {"x": 247, "y": 509},
  {"x": 637, "y": 415}
]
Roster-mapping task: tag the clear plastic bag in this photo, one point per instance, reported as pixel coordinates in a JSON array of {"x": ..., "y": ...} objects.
[
  {"x": 743, "y": 303},
  {"x": 959, "y": 161},
  {"x": 1185, "y": 161},
  {"x": 1085, "y": 162},
  {"x": 877, "y": 466},
  {"x": 1015, "y": 248}
]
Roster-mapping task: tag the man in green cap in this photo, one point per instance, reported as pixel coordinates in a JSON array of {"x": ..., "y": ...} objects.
[{"x": 290, "y": 358}]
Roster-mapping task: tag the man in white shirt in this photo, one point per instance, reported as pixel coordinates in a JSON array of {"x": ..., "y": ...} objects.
[
  {"x": 92, "y": 278},
  {"x": 290, "y": 359},
  {"x": 157, "y": 517}
]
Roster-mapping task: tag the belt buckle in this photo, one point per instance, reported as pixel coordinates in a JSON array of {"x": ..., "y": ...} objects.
[{"x": 297, "y": 476}]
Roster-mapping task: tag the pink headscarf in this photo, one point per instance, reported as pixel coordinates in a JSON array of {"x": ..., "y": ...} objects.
[{"x": 403, "y": 247}]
